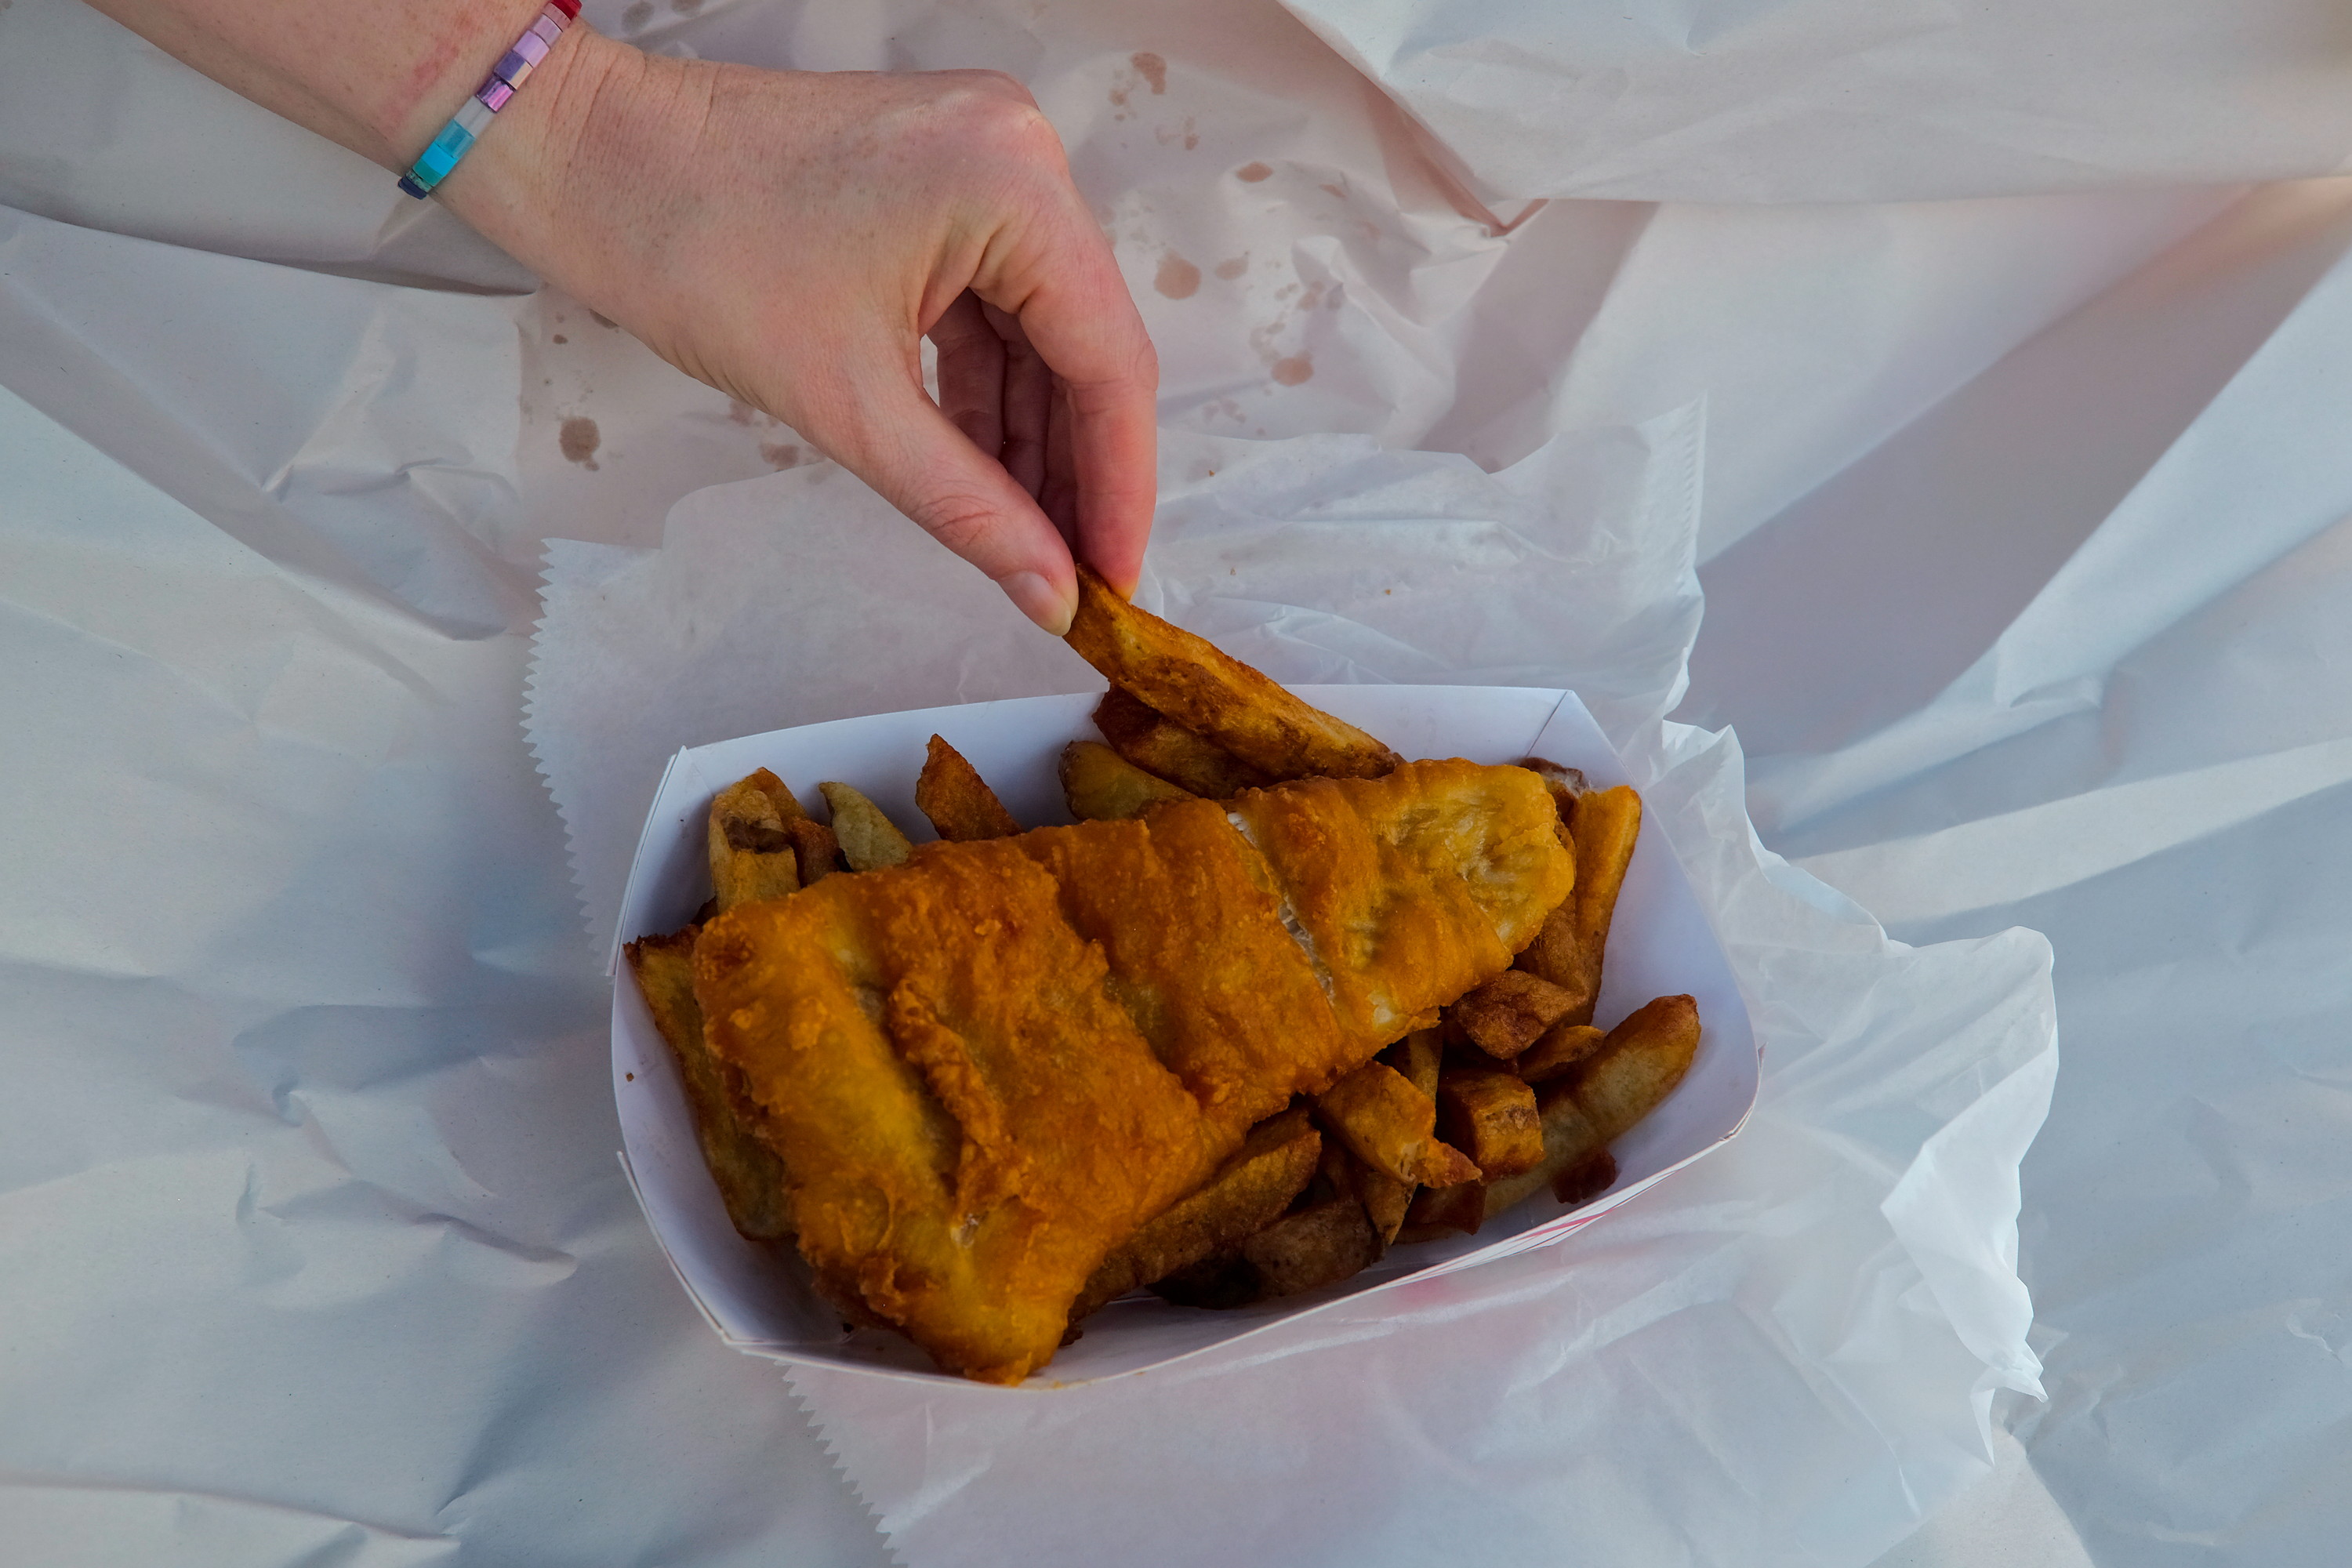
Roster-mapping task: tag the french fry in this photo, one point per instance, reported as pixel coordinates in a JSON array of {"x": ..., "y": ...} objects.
[
  {"x": 751, "y": 855},
  {"x": 1207, "y": 691},
  {"x": 1638, "y": 1064},
  {"x": 1562, "y": 1047},
  {"x": 1419, "y": 1055},
  {"x": 1490, "y": 1115},
  {"x": 1565, "y": 783},
  {"x": 1273, "y": 1165},
  {"x": 1435, "y": 1211},
  {"x": 869, "y": 840},
  {"x": 1160, "y": 745},
  {"x": 749, "y": 1176},
  {"x": 961, "y": 806},
  {"x": 1318, "y": 1245},
  {"x": 1100, "y": 785},
  {"x": 1392, "y": 1126},
  {"x": 1602, "y": 831},
  {"x": 1511, "y": 1012},
  {"x": 1571, "y": 1144}
]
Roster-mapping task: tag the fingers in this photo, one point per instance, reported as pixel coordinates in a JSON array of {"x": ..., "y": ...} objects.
[
  {"x": 1028, "y": 395},
  {"x": 884, "y": 428},
  {"x": 972, "y": 373},
  {"x": 1078, "y": 316}
]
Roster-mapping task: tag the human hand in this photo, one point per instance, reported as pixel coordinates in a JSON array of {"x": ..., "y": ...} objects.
[{"x": 789, "y": 237}]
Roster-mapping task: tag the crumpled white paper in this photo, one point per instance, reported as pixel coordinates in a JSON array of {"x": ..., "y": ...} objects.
[
  {"x": 1839, "y": 100},
  {"x": 1801, "y": 1354}
]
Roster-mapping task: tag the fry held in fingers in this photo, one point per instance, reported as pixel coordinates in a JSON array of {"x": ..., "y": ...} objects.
[{"x": 1212, "y": 693}]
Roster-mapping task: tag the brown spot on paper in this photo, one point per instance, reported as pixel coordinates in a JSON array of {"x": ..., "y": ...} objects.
[
  {"x": 1292, "y": 371},
  {"x": 1233, "y": 267},
  {"x": 1152, "y": 67},
  {"x": 1177, "y": 278},
  {"x": 1339, "y": 191},
  {"x": 1253, "y": 172},
  {"x": 779, "y": 455},
  {"x": 739, "y": 411},
  {"x": 562, "y": 338},
  {"x": 580, "y": 439},
  {"x": 637, "y": 15}
]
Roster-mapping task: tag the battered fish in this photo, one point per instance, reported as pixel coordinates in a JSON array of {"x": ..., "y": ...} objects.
[{"x": 984, "y": 1068}]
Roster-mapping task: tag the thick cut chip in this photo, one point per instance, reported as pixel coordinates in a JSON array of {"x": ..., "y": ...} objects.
[
  {"x": 1510, "y": 1013},
  {"x": 1213, "y": 694},
  {"x": 1571, "y": 1144},
  {"x": 1100, "y": 785},
  {"x": 1605, "y": 825},
  {"x": 1248, "y": 1194},
  {"x": 869, "y": 840},
  {"x": 1410, "y": 890},
  {"x": 751, "y": 1178},
  {"x": 1392, "y": 1126},
  {"x": 1435, "y": 1211},
  {"x": 1160, "y": 745},
  {"x": 752, "y": 856},
  {"x": 1561, "y": 1048},
  {"x": 1319, "y": 1245},
  {"x": 962, "y": 809},
  {"x": 1490, "y": 1115},
  {"x": 1419, "y": 1055},
  {"x": 1639, "y": 1064}
]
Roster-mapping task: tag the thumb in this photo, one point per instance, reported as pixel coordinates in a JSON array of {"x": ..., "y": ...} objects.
[{"x": 892, "y": 436}]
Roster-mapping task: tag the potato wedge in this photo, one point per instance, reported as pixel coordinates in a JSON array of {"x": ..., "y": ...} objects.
[
  {"x": 1638, "y": 1064},
  {"x": 869, "y": 840},
  {"x": 1571, "y": 1142},
  {"x": 751, "y": 855},
  {"x": 1490, "y": 1115},
  {"x": 1101, "y": 786},
  {"x": 1511, "y": 1012},
  {"x": 1273, "y": 1165},
  {"x": 1602, "y": 831},
  {"x": 1318, "y": 1245},
  {"x": 1161, "y": 746},
  {"x": 749, "y": 1176},
  {"x": 1561, "y": 1047},
  {"x": 1419, "y": 1055},
  {"x": 961, "y": 806},
  {"x": 1392, "y": 1126},
  {"x": 1189, "y": 679}
]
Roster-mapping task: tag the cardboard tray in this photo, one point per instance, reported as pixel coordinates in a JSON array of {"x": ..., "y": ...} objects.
[{"x": 756, "y": 1295}]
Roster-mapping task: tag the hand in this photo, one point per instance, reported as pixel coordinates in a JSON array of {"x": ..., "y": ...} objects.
[{"x": 789, "y": 237}]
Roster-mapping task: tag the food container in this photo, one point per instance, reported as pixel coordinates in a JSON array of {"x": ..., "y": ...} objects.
[{"x": 756, "y": 1295}]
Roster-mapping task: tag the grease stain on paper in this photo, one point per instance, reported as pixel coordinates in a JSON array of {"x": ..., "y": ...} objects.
[
  {"x": 1177, "y": 278},
  {"x": 1294, "y": 370},
  {"x": 1233, "y": 266},
  {"x": 579, "y": 437},
  {"x": 638, "y": 14},
  {"x": 1251, "y": 174},
  {"x": 1151, "y": 68},
  {"x": 779, "y": 455}
]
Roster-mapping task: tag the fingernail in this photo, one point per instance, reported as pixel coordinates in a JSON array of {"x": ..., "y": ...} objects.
[{"x": 1039, "y": 600}]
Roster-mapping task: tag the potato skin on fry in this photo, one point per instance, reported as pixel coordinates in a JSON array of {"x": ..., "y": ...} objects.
[
  {"x": 1562, "y": 1047},
  {"x": 869, "y": 840},
  {"x": 751, "y": 845},
  {"x": 1213, "y": 694},
  {"x": 962, "y": 809},
  {"x": 1100, "y": 785},
  {"x": 1249, "y": 1194},
  {"x": 1604, "y": 828},
  {"x": 1639, "y": 1064},
  {"x": 1318, "y": 1245},
  {"x": 1163, "y": 747}
]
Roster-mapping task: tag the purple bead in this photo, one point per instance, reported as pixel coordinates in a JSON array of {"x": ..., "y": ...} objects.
[{"x": 495, "y": 93}]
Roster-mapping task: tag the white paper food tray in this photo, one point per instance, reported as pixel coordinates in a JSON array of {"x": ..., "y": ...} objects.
[{"x": 756, "y": 1295}]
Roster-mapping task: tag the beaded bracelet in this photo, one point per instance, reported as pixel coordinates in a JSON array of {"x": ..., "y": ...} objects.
[{"x": 514, "y": 68}]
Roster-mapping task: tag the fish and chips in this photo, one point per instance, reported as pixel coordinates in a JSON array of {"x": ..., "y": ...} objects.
[{"x": 1278, "y": 1000}]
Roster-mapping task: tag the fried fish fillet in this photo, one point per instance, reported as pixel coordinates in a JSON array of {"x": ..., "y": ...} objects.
[{"x": 984, "y": 1068}]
